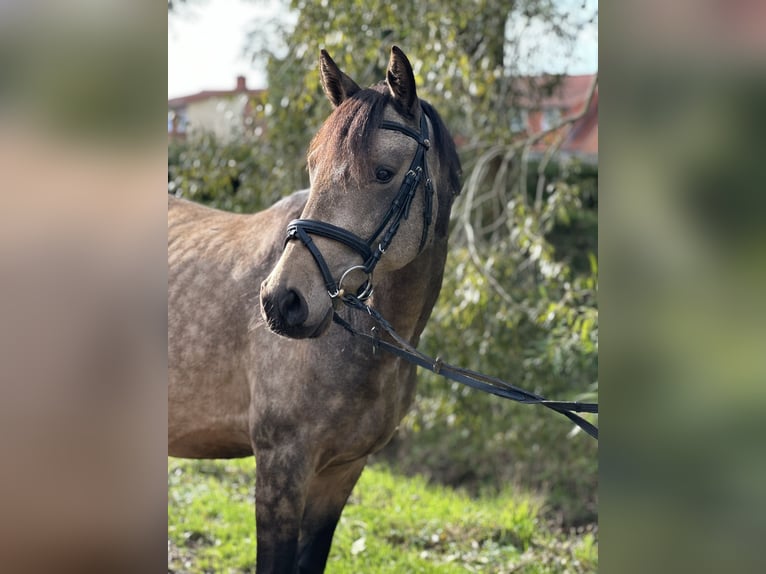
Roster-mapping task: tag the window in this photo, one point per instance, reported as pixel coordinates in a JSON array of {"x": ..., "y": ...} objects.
[
  {"x": 551, "y": 116},
  {"x": 181, "y": 121},
  {"x": 519, "y": 121},
  {"x": 177, "y": 122}
]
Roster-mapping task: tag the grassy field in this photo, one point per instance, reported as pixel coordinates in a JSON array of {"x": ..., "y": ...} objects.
[{"x": 392, "y": 524}]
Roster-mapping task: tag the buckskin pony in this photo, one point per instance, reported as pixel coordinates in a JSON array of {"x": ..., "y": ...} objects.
[{"x": 256, "y": 363}]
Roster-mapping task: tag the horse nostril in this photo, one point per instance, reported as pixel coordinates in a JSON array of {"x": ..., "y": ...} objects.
[{"x": 293, "y": 308}]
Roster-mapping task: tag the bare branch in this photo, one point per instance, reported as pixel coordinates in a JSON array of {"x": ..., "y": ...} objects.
[{"x": 484, "y": 206}]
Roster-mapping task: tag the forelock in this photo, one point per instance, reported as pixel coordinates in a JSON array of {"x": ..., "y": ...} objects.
[{"x": 343, "y": 145}]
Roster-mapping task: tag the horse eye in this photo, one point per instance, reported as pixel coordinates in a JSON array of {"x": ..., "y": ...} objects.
[{"x": 383, "y": 175}]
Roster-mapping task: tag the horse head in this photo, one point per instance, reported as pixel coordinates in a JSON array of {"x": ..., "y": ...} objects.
[{"x": 380, "y": 196}]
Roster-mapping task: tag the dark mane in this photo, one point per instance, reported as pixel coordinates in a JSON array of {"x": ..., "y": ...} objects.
[
  {"x": 348, "y": 132},
  {"x": 446, "y": 145},
  {"x": 449, "y": 159}
]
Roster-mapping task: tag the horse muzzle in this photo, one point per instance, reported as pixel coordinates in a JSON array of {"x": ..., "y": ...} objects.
[{"x": 286, "y": 312}]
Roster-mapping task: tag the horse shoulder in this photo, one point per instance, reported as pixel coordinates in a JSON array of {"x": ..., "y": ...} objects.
[{"x": 216, "y": 263}]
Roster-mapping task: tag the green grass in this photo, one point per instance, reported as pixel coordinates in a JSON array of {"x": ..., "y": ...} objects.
[{"x": 391, "y": 524}]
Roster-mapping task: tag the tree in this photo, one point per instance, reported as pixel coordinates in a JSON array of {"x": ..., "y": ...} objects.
[{"x": 464, "y": 62}]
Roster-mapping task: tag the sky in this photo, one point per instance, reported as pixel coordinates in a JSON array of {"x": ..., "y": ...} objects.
[{"x": 206, "y": 42}]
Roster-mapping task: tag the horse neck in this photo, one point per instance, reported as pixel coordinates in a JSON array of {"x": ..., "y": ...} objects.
[{"x": 406, "y": 297}]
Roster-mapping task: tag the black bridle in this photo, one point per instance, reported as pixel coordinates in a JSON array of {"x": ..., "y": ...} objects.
[{"x": 399, "y": 210}]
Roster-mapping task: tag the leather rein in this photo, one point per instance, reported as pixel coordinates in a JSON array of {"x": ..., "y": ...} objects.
[{"x": 402, "y": 348}]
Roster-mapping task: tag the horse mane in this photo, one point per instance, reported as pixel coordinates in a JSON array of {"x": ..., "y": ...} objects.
[
  {"x": 347, "y": 133},
  {"x": 449, "y": 159}
]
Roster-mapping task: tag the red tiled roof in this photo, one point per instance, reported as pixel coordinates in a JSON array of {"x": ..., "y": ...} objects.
[
  {"x": 241, "y": 88},
  {"x": 583, "y": 136},
  {"x": 551, "y": 91},
  {"x": 568, "y": 94}
]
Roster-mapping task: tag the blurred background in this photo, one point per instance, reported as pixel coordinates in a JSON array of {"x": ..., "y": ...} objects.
[
  {"x": 82, "y": 286},
  {"x": 682, "y": 246}
]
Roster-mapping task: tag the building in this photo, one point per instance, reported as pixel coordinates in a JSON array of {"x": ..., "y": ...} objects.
[
  {"x": 542, "y": 102},
  {"x": 223, "y": 113},
  {"x": 539, "y": 103}
]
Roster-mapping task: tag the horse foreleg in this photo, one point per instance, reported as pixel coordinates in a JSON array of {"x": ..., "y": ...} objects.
[
  {"x": 327, "y": 495},
  {"x": 280, "y": 495}
]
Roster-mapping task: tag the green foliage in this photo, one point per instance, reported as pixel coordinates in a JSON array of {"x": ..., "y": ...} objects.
[
  {"x": 226, "y": 175},
  {"x": 390, "y": 524},
  {"x": 462, "y": 59},
  {"x": 518, "y": 302}
]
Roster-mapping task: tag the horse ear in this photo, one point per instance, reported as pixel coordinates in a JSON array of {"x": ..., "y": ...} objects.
[
  {"x": 337, "y": 86},
  {"x": 401, "y": 80}
]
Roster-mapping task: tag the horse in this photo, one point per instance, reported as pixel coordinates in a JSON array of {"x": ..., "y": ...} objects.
[{"x": 256, "y": 364}]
